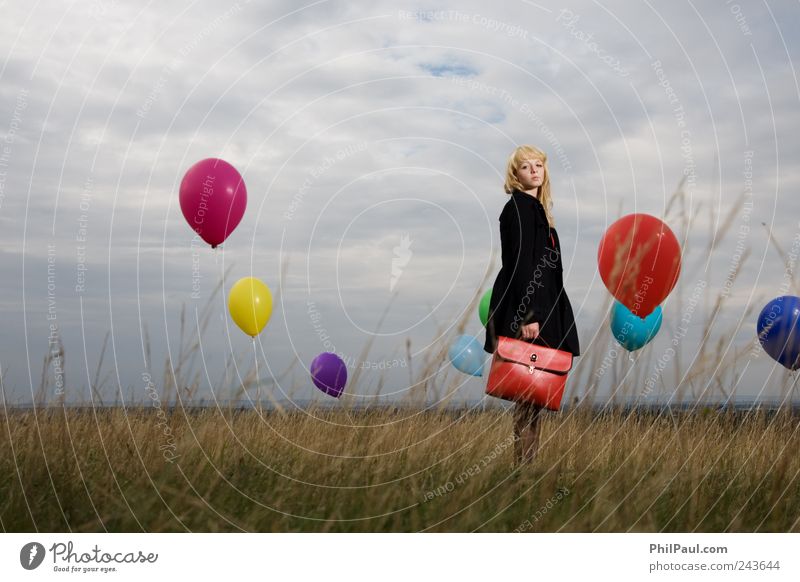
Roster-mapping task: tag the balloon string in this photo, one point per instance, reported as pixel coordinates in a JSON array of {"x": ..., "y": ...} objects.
[
  {"x": 258, "y": 386},
  {"x": 793, "y": 376}
]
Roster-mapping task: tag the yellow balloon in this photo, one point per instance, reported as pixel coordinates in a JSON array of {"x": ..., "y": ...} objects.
[{"x": 250, "y": 304}]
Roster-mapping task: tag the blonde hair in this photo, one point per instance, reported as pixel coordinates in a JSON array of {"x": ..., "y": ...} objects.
[{"x": 520, "y": 154}]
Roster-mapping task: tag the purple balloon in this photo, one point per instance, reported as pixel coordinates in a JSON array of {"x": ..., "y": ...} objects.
[
  {"x": 213, "y": 199},
  {"x": 329, "y": 374}
]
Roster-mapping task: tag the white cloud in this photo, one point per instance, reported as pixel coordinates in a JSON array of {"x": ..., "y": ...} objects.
[{"x": 430, "y": 105}]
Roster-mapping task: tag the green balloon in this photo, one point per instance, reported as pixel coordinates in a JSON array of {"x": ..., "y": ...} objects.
[{"x": 483, "y": 308}]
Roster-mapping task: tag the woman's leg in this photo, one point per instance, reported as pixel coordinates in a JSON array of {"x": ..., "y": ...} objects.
[{"x": 526, "y": 432}]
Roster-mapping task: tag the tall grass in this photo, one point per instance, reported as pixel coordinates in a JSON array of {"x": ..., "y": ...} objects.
[{"x": 387, "y": 470}]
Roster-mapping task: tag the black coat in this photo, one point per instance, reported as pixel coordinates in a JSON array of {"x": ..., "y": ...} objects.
[{"x": 530, "y": 285}]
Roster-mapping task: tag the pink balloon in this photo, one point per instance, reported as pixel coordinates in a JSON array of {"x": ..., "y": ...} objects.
[{"x": 213, "y": 199}]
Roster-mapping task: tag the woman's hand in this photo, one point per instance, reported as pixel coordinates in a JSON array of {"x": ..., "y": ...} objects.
[{"x": 530, "y": 331}]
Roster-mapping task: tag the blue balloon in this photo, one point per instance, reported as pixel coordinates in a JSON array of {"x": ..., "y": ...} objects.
[
  {"x": 631, "y": 331},
  {"x": 467, "y": 355},
  {"x": 779, "y": 330}
]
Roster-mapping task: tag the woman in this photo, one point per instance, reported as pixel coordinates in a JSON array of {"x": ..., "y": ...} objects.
[{"x": 528, "y": 298}]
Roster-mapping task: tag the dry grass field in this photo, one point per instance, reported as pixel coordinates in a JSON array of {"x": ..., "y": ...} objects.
[{"x": 395, "y": 470}]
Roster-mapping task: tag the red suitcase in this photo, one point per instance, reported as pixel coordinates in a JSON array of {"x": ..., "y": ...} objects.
[{"x": 522, "y": 371}]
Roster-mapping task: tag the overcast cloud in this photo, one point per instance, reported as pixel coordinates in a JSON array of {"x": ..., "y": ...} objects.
[{"x": 354, "y": 125}]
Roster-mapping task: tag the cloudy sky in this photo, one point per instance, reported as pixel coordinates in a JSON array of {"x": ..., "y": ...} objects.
[{"x": 357, "y": 126}]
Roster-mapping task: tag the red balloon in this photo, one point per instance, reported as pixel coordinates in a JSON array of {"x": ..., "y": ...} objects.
[
  {"x": 639, "y": 260},
  {"x": 213, "y": 199}
]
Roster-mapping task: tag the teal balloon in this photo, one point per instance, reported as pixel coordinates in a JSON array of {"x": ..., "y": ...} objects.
[
  {"x": 467, "y": 355},
  {"x": 483, "y": 308},
  {"x": 631, "y": 331}
]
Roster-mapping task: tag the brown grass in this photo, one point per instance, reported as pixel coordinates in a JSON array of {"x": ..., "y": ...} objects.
[{"x": 395, "y": 470}]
